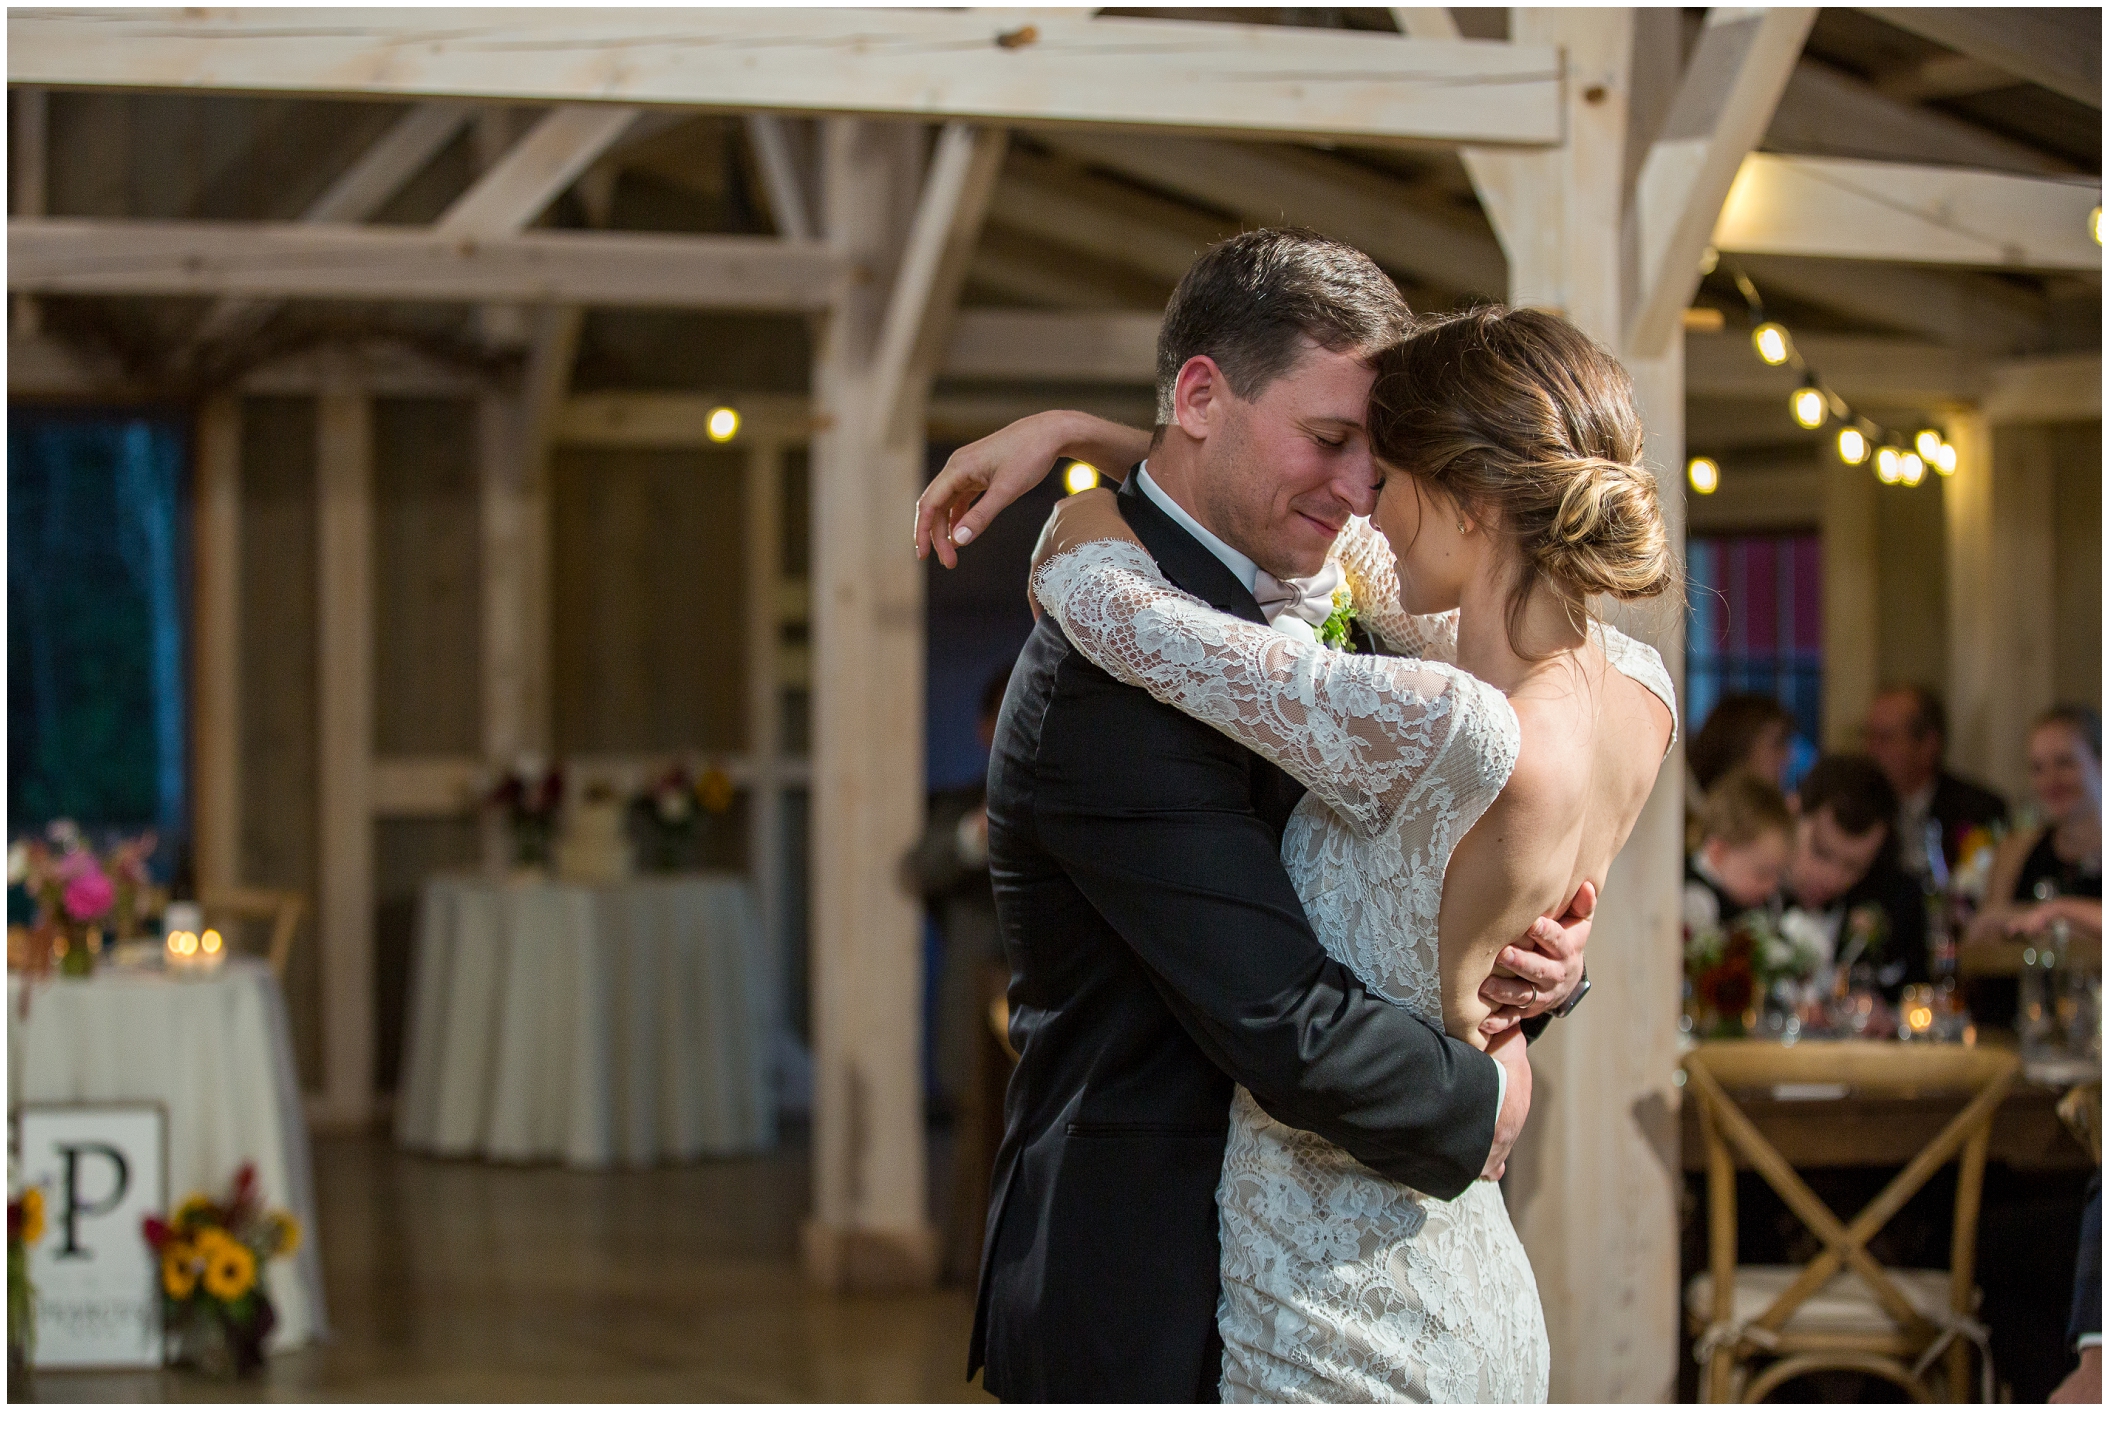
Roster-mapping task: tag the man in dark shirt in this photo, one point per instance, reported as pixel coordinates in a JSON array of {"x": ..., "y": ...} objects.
[
  {"x": 1843, "y": 868},
  {"x": 1906, "y": 734}
]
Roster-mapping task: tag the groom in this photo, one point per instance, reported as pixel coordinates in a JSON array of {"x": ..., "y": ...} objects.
[{"x": 1159, "y": 954}]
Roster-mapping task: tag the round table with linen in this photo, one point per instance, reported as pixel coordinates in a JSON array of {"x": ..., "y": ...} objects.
[{"x": 600, "y": 1025}]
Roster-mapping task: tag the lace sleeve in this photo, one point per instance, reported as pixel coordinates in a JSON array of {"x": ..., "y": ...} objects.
[
  {"x": 1357, "y": 731},
  {"x": 1643, "y": 664},
  {"x": 1372, "y": 576}
]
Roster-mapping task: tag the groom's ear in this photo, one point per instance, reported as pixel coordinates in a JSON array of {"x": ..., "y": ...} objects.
[{"x": 1198, "y": 395}]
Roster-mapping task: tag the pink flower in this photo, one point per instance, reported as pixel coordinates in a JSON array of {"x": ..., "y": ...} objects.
[{"x": 89, "y": 895}]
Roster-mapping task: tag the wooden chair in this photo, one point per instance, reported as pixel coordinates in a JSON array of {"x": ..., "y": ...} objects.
[
  {"x": 256, "y": 904},
  {"x": 1842, "y": 1310}
]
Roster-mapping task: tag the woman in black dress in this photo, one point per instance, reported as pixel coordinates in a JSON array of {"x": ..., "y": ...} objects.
[{"x": 2054, "y": 871}]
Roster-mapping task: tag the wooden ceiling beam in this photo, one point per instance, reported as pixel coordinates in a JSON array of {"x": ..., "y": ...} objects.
[
  {"x": 957, "y": 65},
  {"x": 1934, "y": 215},
  {"x": 1825, "y": 111},
  {"x": 1970, "y": 312},
  {"x": 373, "y": 263},
  {"x": 539, "y": 167},
  {"x": 2060, "y": 49}
]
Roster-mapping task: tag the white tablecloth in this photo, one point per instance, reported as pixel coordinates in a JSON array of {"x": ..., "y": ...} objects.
[
  {"x": 215, "y": 1051},
  {"x": 626, "y": 1023}
]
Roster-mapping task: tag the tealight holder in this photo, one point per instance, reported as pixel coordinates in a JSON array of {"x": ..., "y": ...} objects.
[{"x": 187, "y": 945}]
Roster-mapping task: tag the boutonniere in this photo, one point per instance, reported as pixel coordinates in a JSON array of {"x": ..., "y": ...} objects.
[{"x": 1335, "y": 632}]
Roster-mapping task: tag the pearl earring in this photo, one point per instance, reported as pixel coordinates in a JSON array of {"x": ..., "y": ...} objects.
[{"x": 1462, "y": 529}]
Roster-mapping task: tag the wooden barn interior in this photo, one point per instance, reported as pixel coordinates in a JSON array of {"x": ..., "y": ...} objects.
[{"x": 447, "y": 310}]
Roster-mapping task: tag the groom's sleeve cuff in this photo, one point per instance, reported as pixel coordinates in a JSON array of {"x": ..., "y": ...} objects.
[{"x": 1501, "y": 1088}]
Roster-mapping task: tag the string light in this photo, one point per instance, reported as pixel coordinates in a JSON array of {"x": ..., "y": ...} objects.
[
  {"x": 1703, "y": 474},
  {"x": 1813, "y": 404},
  {"x": 1773, "y": 344},
  {"x": 2094, "y": 224},
  {"x": 722, "y": 424},
  {"x": 1081, "y": 476}
]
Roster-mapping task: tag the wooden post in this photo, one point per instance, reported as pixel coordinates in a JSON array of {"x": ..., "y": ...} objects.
[
  {"x": 764, "y": 485},
  {"x": 28, "y": 161},
  {"x": 344, "y": 918},
  {"x": 216, "y": 689},
  {"x": 2000, "y": 507},
  {"x": 1852, "y": 556},
  {"x": 870, "y": 1225}
]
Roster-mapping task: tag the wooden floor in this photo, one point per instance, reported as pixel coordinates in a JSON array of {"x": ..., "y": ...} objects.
[{"x": 464, "y": 1282}]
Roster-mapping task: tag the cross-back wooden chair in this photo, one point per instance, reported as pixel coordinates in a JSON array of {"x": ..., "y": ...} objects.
[
  {"x": 243, "y": 904},
  {"x": 1842, "y": 1310}
]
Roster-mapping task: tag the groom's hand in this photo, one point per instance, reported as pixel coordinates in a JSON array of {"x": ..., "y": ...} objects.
[
  {"x": 1508, "y": 1051},
  {"x": 1541, "y": 969}
]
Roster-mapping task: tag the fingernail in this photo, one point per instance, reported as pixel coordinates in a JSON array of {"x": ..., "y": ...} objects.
[{"x": 962, "y": 535}]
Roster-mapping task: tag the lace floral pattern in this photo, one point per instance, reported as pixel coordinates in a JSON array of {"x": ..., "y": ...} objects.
[{"x": 1339, "y": 1284}]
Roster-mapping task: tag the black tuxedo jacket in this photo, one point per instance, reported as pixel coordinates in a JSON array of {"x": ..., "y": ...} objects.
[
  {"x": 1158, "y": 953},
  {"x": 1960, "y": 805}
]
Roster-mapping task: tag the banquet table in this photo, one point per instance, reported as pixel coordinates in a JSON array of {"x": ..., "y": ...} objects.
[
  {"x": 215, "y": 1051},
  {"x": 608, "y": 1024}
]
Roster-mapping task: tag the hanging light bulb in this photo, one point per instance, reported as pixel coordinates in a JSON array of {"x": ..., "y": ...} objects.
[
  {"x": 1928, "y": 444},
  {"x": 1852, "y": 446},
  {"x": 1911, "y": 468},
  {"x": 723, "y": 424},
  {"x": 1771, "y": 342},
  {"x": 1810, "y": 409},
  {"x": 1889, "y": 465},
  {"x": 1081, "y": 476},
  {"x": 1703, "y": 474},
  {"x": 1945, "y": 462},
  {"x": 2094, "y": 224}
]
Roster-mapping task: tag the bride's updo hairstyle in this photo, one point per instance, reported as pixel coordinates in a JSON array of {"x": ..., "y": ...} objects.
[{"x": 1529, "y": 427}]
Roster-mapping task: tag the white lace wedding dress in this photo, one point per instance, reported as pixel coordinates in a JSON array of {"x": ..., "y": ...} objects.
[{"x": 1339, "y": 1284}]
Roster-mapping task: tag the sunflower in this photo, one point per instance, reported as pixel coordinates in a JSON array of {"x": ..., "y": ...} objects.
[
  {"x": 230, "y": 1271},
  {"x": 179, "y": 1271},
  {"x": 195, "y": 1210},
  {"x": 288, "y": 1231},
  {"x": 32, "y": 1205}
]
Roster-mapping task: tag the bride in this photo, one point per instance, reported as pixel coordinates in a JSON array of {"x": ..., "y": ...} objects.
[{"x": 1458, "y": 790}]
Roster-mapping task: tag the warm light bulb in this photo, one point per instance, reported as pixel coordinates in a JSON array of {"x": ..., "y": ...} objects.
[
  {"x": 2094, "y": 224},
  {"x": 1928, "y": 444},
  {"x": 1771, "y": 342},
  {"x": 1810, "y": 408},
  {"x": 723, "y": 424},
  {"x": 1081, "y": 476},
  {"x": 1703, "y": 474},
  {"x": 1945, "y": 462},
  {"x": 1911, "y": 468},
  {"x": 1852, "y": 446},
  {"x": 1889, "y": 465},
  {"x": 210, "y": 942},
  {"x": 1920, "y": 1018}
]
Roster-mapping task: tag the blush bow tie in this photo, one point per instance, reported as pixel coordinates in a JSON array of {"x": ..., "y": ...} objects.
[{"x": 1298, "y": 607}]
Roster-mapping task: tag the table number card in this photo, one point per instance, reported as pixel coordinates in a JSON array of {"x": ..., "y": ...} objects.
[{"x": 103, "y": 1169}]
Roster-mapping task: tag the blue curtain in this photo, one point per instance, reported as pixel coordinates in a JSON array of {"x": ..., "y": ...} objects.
[{"x": 97, "y": 583}]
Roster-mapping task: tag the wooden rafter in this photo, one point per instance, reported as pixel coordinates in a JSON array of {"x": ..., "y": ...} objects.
[
  {"x": 508, "y": 197},
  {"x": 969, "y": 65},
  {"x": 203, "y": 258},
  {"x": 2060, "y": 50},
  {"x": 1867, "y": 210}
]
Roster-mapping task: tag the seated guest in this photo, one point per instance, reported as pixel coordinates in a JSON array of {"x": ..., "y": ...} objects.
[
  {"x": 1906, "y": 733},
  {"x": 1843, "y": 872},
  {"x": 1745, "y": 833},
  {"x": 2053, "y": 871},
  {"x": 1746, "y": 732},
  {"x": 2083, "y": 1335}
]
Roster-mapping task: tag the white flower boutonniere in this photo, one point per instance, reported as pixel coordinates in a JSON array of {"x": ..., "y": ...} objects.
[{"x": 1335, "y": 632}]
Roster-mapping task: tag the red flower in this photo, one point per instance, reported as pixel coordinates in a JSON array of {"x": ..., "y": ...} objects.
[
  {"x": 157, "y": 1234},
  {"x": 89, "y": 895}
]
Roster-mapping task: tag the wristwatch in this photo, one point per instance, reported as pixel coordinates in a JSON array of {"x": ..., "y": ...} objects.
[{"x": 1572, "y": 998}]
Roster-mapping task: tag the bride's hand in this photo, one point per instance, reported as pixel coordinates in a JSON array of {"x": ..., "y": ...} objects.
[
  {"x": 1539, "y": 971},
  {"x": 1088, "y": 516},
  {"x": 999, "y": 469}
]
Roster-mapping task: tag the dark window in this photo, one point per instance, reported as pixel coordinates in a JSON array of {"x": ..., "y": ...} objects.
[{"x": 1757, "y": 626}]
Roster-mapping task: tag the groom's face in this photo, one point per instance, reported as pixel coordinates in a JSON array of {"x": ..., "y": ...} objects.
[{"x": 1281, "y": 471}]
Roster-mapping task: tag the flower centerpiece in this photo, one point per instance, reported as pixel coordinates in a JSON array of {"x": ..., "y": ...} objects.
[
  {"x": 531, "y": 797},
  {"x": 25, "y": 1225},
  {"x": 79, "y": 893},
  {"x": 1734, "y": 969},
  {"x": 213, "y": 1301},
  {"x": 668, "y": 817}
]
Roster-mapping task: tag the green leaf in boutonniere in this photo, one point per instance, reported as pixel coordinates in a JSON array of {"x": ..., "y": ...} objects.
[{"x": 1335, "y": 632}]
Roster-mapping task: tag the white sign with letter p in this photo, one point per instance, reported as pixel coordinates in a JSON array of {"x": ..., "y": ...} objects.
[{"x": 103, "y": 1169}]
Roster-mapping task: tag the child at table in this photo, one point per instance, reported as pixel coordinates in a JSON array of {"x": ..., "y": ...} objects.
[{"x": 1745, "y": 832}]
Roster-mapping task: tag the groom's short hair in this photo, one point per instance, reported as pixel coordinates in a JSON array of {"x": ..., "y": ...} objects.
[{"x": 1251, "y": 302}]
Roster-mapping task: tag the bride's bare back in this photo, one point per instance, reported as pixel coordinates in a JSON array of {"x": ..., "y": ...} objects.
[{"x": 1593, "y": 741}]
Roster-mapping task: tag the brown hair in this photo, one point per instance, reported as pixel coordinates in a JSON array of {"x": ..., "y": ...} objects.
[
  {"x": 1251, "y": 302},
  {"x": 2085, "y": 722},
  {"x": 1743, "y": 809},
  {"x": 1732, "y": 731},
  {"x": 1528, "y": 425}
]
